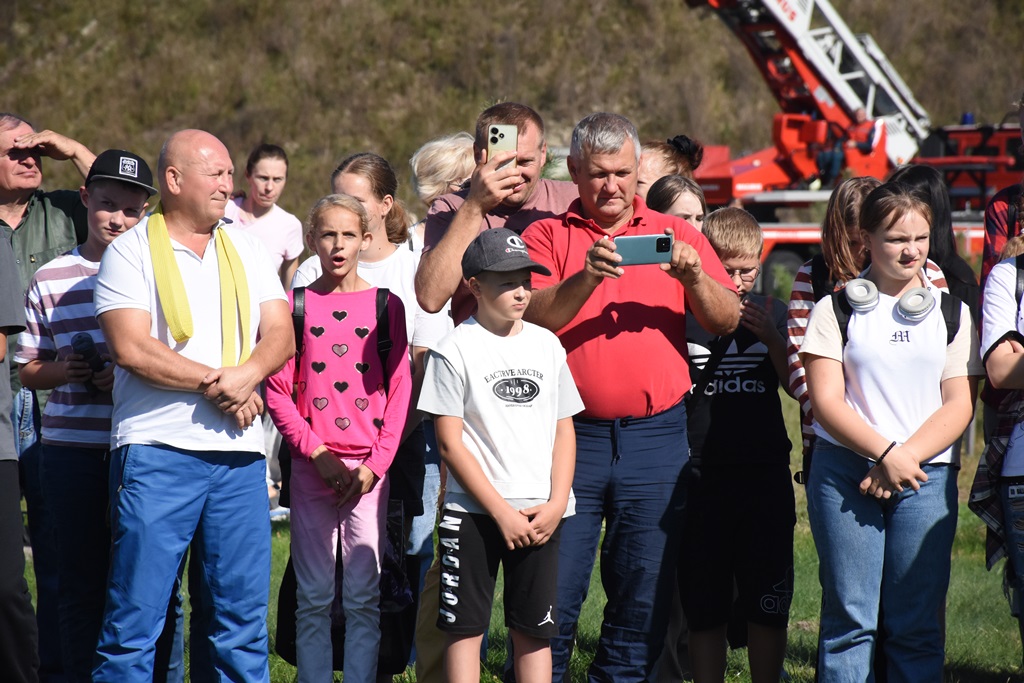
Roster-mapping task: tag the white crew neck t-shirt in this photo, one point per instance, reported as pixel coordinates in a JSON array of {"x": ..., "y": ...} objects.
[
  {"x": 510, "y": 393},
  {"x": 894, "y": 367}
]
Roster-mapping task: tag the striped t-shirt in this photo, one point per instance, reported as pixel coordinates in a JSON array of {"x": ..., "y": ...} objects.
[{"x": 59, "y": 305}]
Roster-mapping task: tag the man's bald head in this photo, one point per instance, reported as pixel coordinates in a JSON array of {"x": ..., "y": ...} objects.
[
  {"x": 183, "y": 147},
  {"x": 196, "y": 175}
]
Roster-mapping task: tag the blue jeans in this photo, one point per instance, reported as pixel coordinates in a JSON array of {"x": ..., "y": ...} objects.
[
  {"x": 25, "y": 418},
  {"x": 161, "y": 497},
  {"x": 630, "y": 475},
  {"x": 74, "y": 481},
  {"x": 42, "y": 534},
  {"x": 830, "y": 164},
  {"x": 421, "y": 535},
  {"x": 896, "y": 552}
]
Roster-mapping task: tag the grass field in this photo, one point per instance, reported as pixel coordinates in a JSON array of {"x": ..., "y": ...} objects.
[{"x": 982, "y": 646}]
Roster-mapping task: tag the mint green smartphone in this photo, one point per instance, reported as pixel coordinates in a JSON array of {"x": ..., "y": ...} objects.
[
  {"x": 502, "y": 138},
  {"x": 638, "y": 250}
]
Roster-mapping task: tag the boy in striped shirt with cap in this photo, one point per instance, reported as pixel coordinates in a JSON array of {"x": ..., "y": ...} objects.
[{"x": 62, "y": 349}]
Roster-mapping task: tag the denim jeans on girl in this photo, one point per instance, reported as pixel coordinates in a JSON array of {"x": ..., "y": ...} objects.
[{"x": 896, "y": 551}]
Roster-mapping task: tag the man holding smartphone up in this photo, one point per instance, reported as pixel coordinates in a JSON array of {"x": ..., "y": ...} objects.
[
  {"x": 631, "y": 438},
  {"x": 505, "y": 191},
  {"x": 500, "y": 195}
]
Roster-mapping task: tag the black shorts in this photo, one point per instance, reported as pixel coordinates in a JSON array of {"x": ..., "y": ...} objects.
[
  {"x": 471, "y": 546},
  {"x": 738, "y": 530}
]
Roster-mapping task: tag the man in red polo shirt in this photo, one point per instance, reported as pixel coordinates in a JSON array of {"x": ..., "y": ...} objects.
[{"x": 624, "y": 328}]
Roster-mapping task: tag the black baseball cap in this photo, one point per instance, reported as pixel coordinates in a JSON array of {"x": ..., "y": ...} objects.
[
  {"x": 117, "y": 164},
  {"x": 499, "y": 250}
]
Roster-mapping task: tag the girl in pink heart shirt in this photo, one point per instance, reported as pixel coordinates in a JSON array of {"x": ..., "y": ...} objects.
[{"x": 343, "y": 429}]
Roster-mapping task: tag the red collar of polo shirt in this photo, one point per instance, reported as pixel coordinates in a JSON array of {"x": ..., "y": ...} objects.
[{"x": 574, "y": 217}]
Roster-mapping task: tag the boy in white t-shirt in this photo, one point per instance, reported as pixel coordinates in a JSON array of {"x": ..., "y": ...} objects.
[{"x": 503, "y": 398}]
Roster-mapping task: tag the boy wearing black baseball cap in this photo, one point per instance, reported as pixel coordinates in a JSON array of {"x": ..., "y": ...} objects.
[
  {"x": 62, "y": 349},
  {"x": 502, "y": 398}
]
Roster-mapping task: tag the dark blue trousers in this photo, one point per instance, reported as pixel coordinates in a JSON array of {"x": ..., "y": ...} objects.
[
  {"x": 74, "y": 483},
  {"x": 630, "y": 476}
]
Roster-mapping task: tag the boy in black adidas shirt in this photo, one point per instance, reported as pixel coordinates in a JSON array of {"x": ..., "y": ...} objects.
[{"x": 740, "y": 513}]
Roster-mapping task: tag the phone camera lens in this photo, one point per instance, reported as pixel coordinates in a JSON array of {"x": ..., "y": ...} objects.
[
  {"x": 494, "y": 139},
  {"x": 494, "y": 130},
  {"x": 664, "y": 245}
]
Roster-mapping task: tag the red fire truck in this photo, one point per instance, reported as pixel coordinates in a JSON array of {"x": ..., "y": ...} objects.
[{"x": 821, "y": 73}]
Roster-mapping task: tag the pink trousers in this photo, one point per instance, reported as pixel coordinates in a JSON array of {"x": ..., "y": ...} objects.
[{"x": 319, "y": 528}]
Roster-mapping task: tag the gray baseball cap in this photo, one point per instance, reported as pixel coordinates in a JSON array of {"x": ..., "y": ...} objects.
[{"x": 499, "y": 250}]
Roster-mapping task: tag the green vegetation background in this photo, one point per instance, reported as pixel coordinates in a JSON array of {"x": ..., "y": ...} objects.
[{"x": 326, "y": 78}]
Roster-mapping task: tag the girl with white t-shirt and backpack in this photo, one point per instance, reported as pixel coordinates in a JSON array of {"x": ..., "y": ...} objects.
[{"x": 891, "y": 390}]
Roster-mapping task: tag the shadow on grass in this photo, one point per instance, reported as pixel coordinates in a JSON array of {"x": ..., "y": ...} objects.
[
  {"x": 802, "y": 654},
  {"x": 971, "y": 674}
]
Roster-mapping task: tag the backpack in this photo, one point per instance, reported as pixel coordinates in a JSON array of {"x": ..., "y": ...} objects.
[
  {"x": 823, "y": 285},
  {"x": 298, "y": 323},
  {"x": 1012, "y": 212},
  {"x": 822, "y": 282}
]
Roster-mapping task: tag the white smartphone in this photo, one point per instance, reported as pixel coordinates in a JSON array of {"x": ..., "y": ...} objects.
[
  {"x": 638, "y": 250},
  {"x": 502, "y": 138}
]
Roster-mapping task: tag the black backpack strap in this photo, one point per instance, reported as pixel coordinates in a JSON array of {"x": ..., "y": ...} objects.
[
  {"x": 843, "y": 310},
  {"x": 1020, "y": 281},
  {"x": 1013, "y": 213},
  {"x": 298, "y": 316},
  {"x": 950, "y": 306},
  {"x": 822, "y": 283},
  {"x": 383, "y": 333}
]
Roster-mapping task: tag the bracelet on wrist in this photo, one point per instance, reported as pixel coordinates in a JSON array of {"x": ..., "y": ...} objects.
[{"x": 879, "y": 459}]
